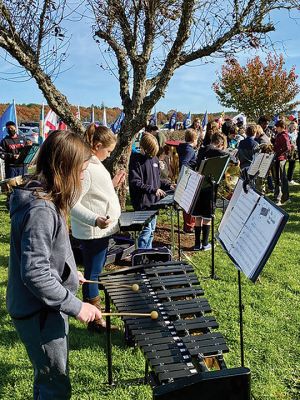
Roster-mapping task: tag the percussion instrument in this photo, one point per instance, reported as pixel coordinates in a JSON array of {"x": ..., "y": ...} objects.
[
  {"x": 134, "y": 221},
  {"x": 183, "y": 352}
]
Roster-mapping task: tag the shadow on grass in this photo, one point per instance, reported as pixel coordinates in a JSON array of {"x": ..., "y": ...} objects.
[
  {"x": 82, "y": 338},
  {"x": 5, "y": 370}
]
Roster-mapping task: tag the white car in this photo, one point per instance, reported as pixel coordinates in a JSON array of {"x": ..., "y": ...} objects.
[{"x": 30, "y": 133}]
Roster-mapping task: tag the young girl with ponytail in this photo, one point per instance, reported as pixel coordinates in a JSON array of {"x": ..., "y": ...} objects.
[{"x": 95, "y": 216}]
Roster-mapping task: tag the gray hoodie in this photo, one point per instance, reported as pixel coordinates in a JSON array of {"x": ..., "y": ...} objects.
[{"x": 42, "y": 270}]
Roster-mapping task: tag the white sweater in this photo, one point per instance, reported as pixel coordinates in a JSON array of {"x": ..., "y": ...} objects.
[{"x": 98, "y": 199}]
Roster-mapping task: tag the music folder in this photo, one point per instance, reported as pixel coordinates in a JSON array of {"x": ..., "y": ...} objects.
[
  {"x": 214, "y": 168},
  {"x": 28, "y": 153},
  {"x": 250, "y": 229},
  {"x": 260, "y": 165},
  {"x": 188, "y": 189}
]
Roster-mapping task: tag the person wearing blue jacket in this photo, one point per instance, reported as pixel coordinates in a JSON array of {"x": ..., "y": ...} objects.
[
  {"x": 145, "y": 185},
  {"x": 42, "y": 273}
]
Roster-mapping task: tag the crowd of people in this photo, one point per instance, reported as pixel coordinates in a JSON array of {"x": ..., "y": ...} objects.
[{"x": 70, "y": 179}]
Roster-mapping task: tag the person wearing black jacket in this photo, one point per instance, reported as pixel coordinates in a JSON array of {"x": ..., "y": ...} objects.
[
  {"x": 203, "y": 208},
  {"x": 187, "y": 157},
  {"x": 11, "y": 146},
  {"x": 145, "y": 185}
]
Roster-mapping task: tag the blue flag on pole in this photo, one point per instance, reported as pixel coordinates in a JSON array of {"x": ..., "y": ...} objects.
[
  {"x": 8, "y": 115},
  {"x": 204, "y": 120},
  {"x": 187, "y": 121},
  {"x": 116, "y": 126},
  {"x": 172, "y": 121}
]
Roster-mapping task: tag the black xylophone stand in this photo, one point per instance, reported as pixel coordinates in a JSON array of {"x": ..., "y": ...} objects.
[{"x": 241, "y": 310}]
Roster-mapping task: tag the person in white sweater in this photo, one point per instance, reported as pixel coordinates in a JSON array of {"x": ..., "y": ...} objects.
[{"x": 94, "y": 218}]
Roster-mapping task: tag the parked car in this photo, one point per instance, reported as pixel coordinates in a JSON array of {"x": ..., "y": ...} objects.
[{"x": 30, "y": 133}]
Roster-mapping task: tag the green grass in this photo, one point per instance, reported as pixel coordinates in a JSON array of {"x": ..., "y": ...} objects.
[{"x": 271, "y": 328}]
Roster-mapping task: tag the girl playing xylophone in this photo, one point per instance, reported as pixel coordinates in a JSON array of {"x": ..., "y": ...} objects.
[
  {"x": 95, "y": 216},
  {"x": 43, "y": 278}
]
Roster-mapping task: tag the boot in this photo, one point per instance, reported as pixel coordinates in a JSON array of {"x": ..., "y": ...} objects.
[{"x": 98, "y": 325}]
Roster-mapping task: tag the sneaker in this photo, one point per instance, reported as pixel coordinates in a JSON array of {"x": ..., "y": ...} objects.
[
  {"x": 293, "y": 183},
  {"x": 197, "y": 248},
  {"x": 206, "y": 247},
  {"x": 278, "y": 203}
]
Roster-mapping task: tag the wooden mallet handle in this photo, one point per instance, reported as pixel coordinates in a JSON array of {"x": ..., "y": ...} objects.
[
  {"x": 152, "y": 315},
  {"x": 135, "y": 287}
]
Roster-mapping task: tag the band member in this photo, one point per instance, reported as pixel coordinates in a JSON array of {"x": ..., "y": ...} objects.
[
  {"x": 203, "y": 209},
  {"x": 145, "y": 185},
  {"x": 94, "y": 218},
  {"x": 10, "y": 148},
  {"x": 42, "y": 276}
]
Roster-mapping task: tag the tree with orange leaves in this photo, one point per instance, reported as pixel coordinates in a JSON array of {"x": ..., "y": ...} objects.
[{"x": 258, "y": 88}]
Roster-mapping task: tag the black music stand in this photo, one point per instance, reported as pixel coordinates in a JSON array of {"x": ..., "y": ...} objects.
[
  {"x": 213, "y": 170},
  {"x": 248, "y": 241}
]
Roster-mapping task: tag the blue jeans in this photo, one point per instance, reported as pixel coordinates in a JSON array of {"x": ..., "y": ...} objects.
[
  {"x": 45, "y": 336},
  {"x": 94, "y": 255},
  {"x": 146, "y": 236},
  {"x": 11, "y": 172}
]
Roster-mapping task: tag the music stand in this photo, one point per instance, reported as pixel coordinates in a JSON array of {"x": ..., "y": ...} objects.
[
  {"x": 27, "y": 154},
  {"x": 213, "y": 170},
  {"x": 249, "y": 236}
]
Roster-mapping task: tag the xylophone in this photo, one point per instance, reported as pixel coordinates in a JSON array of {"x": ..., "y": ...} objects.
[
  {"x": 135, "y": 220},
  {"x": 184, "y": 355}
]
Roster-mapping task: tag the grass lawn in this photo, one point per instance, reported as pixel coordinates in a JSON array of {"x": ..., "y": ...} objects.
[{"x": 271, "y": 328}]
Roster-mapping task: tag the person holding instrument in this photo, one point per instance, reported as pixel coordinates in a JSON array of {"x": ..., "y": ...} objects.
[
  {"x": 42, "y": 274},
  {"x": 94, "y": 218}
]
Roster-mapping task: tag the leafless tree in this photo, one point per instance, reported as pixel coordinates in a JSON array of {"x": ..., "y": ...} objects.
[{"x": 142, "y": 41}]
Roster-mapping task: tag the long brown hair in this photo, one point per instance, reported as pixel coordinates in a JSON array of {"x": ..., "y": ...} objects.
[
  {"x": 99, "y": 134},
  {"x": 59, "y": 164}
]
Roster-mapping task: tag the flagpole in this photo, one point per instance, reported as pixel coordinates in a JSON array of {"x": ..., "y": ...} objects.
[
  {"x": 15, "y": 110},
  {"x": 78, "y": 113}
]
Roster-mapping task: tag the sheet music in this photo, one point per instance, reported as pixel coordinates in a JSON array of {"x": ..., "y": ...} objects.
[
  {"x": 261, "y": 163},
  {"x": 265, "y": 165},
  {"x": 254, "y": 167},
  {"x": 187, "y": 188},
  {"x": 256, "y": 236},
  {"x": 237, "y": 213}
]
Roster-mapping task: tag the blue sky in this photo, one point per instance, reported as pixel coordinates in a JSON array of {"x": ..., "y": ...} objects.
[{"x": 190, "y": 89}]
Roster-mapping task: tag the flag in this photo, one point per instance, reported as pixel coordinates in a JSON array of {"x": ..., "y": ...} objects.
[
  {"x": 92, "y": 115},
  {"x": 276, "y": 118},
  {"x": 241, "y": 117},
  {"x": 153, "y": 119},
  {"x": 77, "y": 114},
  {"x": 187, "y": 121},
  {"x": 10, "y": 114},
  {"x": 116, "y": 126},
  {"x": 172, "y": 121},
  {"x": 204, "y": 120},
  {"x": 42, "y": 126},
  {"x": 50, "y": 123},
  {"x": 104, "y": 121},
  {"x": 61, "y": 125}
]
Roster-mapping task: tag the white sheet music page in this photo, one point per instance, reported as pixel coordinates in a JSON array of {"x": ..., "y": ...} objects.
[
  {"x": 265, "y": 165},
  {"x": 237, "y": 213},
  {"x": 187, "y": 187},
  {"x": 255, "y": 164},
  {"x": 256, "y": 237}
]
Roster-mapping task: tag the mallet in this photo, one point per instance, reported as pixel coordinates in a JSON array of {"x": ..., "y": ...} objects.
[
  {"x": 135, "y": 287},
  {"x": 152, "y": 315}
]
